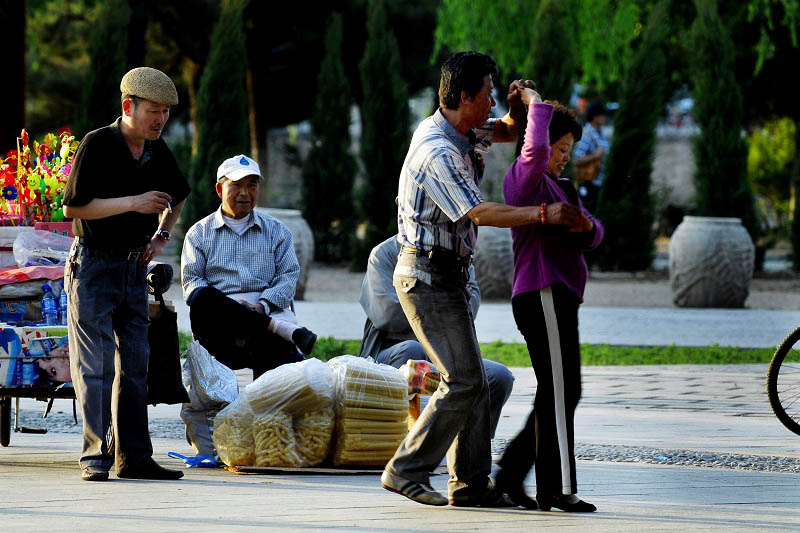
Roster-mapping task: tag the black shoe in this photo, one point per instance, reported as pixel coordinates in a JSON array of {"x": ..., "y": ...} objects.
[
  {"x": 490, "y": 497},
  {"x": 560, "y": 503},
  {"x": 94, "y": 473},
  {"x": 148, "y": 469},
  {"x": 515, "y": 490},
  {"x": 304, "y": 339}
]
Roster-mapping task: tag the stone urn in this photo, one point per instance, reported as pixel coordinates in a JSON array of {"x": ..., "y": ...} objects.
[
  {"x": 494, "y": 263},
  {"x": 303, "y": 241},
  {"x": 710, "y": 262}
]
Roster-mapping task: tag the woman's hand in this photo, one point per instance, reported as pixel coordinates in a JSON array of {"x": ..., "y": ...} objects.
[{"x": 529, "y": 96}]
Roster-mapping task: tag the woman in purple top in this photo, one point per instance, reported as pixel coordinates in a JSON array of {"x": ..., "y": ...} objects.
[{"x": 549, "y": 277}]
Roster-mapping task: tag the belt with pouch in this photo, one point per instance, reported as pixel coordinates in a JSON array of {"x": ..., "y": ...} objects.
[
  {"x": 127, "y": 254},
  {"x": 441, "y": 257}
]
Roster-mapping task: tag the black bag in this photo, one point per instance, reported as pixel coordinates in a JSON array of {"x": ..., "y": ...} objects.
[{"x": 164, "y": 383}]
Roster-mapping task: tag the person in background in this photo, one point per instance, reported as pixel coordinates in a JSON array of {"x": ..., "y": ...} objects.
[
  {"x": 590, "y": 153},
  {"x": 239, "y": 273},
  {"x": 388, "y": 337}
]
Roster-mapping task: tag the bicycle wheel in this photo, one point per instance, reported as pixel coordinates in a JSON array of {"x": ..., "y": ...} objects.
[{"x": 783, "y": 382}]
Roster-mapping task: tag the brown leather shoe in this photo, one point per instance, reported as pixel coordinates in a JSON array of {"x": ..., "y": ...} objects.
[
  {"x": 94, "y": 473},
  {"x": 490, "y": 497},
  {"x": 148, "y": 469}
]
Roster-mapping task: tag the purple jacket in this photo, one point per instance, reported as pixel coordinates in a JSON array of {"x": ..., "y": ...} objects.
[{"x": 549, "y": 254}]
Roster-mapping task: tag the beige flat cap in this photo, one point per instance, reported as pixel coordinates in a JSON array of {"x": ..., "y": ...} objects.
[{"x": 151, "y": 84}]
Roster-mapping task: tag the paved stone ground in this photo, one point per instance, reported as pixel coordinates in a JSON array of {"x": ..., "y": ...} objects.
[{"x": 627, "y": 412}]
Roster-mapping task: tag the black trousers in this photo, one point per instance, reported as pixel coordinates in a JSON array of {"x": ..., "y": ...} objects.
[
  {"x": 237, "y": 336},
  {"x": 548, "y": 320}
]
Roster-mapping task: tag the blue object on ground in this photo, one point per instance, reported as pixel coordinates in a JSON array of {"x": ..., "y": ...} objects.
[{"x": 201, "y": 461}]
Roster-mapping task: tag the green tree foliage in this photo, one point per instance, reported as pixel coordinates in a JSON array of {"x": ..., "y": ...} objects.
[
  {"x": 553, "y": 62},
  {"x": 602, "y": 33},
  {"x": 625, "y": 205},
  {"x": 720, "y": 151},
  {"x": 769, "y": 161},
  {"x": 384, "y": 134},
  {"x": 329, "y": 169},
  {"x": 221, "y": 111},
  {"x": 764, "y": 13},
  {"x": 108, "y": 62}
]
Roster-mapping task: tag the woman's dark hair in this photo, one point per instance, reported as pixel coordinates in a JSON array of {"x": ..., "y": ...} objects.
[
  {"x": 464, "y": 71},
  {"x": 564, "y": 121}
]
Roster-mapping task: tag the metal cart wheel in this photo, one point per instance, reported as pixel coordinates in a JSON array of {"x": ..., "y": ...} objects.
[
  {"x": 5, "y": 421},
  {"x": 783, "y": 382}
]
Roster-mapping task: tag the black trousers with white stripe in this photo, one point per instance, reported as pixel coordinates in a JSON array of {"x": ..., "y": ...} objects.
[{"x": 548, "y": 320}]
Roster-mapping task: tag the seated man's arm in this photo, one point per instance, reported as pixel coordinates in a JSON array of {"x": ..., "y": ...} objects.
[
  {"x": 280, "y": 289},
  {"x": 193, "y": 263}
]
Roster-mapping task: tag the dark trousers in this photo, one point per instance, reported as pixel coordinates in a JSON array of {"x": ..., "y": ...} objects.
[
  {"x": 237, "y": 336},
  {"x": 108, "y": 352},
  {"x": 548, "y": 320}
]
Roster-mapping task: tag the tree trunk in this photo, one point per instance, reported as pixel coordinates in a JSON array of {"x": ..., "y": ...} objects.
[{"x": 12, "y": 43}]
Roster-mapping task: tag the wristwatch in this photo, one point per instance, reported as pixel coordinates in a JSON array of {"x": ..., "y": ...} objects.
[{"x": 163, "y": 235}]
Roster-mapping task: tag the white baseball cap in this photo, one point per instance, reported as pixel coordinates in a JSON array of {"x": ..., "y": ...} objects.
[{"x": 238, "y": 167}]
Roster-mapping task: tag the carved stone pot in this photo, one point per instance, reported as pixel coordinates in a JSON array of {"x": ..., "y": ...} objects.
[
  {"x": 710, "y": 262},
  {"x": 494, "y": 263},
  {"x": 303, "y": 242}
]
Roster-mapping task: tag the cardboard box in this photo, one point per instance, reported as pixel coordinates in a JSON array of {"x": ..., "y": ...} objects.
[{"x": 36, "y": 356}]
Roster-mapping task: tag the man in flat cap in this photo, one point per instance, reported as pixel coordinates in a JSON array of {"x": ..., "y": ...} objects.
[
  {"x": 239, "y": 273},
  {"x": 125, "y": 193}
]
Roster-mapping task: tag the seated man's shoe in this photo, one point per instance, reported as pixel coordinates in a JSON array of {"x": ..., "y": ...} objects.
[
  {"x": 515, "y": 490},
  {"x": 489, "y": 497},
  {"x": 304, "y": 339},
  {"x": 148, "y": 469},
  {"x": 94, "y": 473},
  {"x": 560, "y": 502},
  {"x": 413, "y": 490}
]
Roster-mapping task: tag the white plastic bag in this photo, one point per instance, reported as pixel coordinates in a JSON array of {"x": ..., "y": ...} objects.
[
  {"x": 41, "y": 248},
  {"x": 211, "y": 386}
]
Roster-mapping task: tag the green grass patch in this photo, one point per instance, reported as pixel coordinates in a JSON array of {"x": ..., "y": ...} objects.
[{"x": 515, "y": 354}]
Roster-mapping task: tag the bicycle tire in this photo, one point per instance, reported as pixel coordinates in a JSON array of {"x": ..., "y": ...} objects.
[
  {"x": 5, "y": 421},
  {"x": 785, "y": 400}
]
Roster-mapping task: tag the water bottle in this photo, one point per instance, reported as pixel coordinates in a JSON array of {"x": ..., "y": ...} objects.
[
  {"x": 62, "y": 305},
  {"x": 49, "y": 307}
]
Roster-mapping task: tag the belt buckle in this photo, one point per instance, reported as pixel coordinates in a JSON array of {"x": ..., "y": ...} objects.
[{"x": 133, "y": 256}]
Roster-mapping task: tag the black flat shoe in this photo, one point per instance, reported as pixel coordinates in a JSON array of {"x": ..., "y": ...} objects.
[
  {"x": 560, "y": 503},
  {"x": 148, "y": 470},
  {"x": 304, "y": 339},
  {"x": 514, "y": 490}
]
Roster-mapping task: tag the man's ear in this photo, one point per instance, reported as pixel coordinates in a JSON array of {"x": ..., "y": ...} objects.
[
  {"x": 127, "y": 107},
  {"x": 219, "y": 190},
  {"x": 465, "y": 97}
]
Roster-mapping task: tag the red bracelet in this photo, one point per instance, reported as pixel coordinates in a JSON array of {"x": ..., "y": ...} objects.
[{"x": 543, "y": 213}]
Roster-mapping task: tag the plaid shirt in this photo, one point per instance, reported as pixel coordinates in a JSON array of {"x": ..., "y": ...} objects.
[
  {"x": 591, "y": 140},
  {"x": 439, "y": 185},
  {"x": 261, "y": 260}
]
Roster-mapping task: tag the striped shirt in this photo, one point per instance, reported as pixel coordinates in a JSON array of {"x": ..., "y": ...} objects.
[
  {"x": 261, "y": 259},
  {"x": 439, "y": 185}
]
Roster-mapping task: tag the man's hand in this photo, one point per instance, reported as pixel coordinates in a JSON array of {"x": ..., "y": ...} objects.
[
  {"x": 153, "y": 248},
  {"x": 563, "y": 214},
  {"x": 150, "y": 202},
  {"x": 258, "y": 308},
  {"x": 515, "y": 102},
  {"x": 582, "y": 225}
]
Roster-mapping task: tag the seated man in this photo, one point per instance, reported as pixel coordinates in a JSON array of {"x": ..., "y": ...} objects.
[
  {"x": 239, "y": 272},
  {"x": 387, "y": 334}
]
